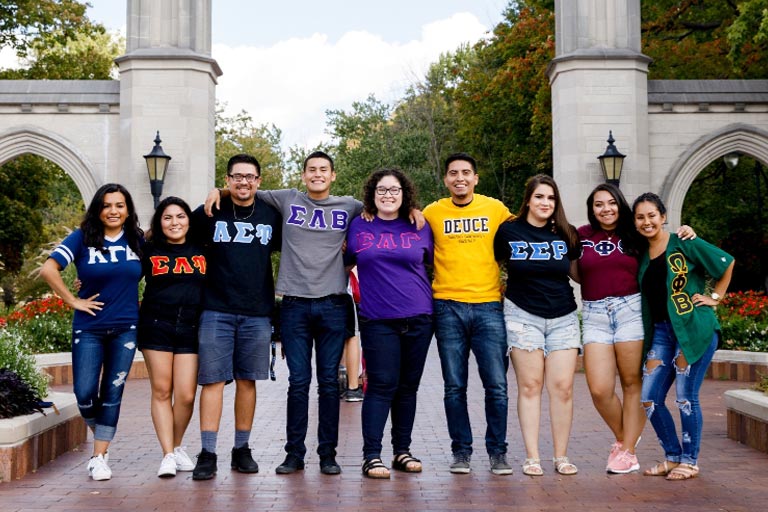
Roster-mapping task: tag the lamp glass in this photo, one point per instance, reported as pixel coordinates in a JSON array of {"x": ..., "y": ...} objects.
[{"x": 731, "y": 160}]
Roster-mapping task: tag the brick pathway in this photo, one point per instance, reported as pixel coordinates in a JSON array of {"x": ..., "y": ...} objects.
[{"x": 734, "y": 477}]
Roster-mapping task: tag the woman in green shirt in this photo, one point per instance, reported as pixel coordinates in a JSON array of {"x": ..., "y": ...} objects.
[{"x": 681, "y": 331}]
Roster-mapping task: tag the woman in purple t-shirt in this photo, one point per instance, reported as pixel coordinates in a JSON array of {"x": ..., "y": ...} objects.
[
  {"x": 612, "y": 323},
  {"x": 395, "y": 314}
]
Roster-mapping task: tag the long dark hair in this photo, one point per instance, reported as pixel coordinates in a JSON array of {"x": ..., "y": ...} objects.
[
  {"x": 158, "y": 237},
  {"x": 93, "y": 228},
  {"x": 409, "y": 191},
  {"x": 625, "y": 227},
  {"x": 560, "y": 225}
]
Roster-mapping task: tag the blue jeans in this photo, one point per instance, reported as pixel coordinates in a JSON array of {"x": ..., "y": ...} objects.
[
  {"x": 656, "y": 384},
  {"x": 459, "y": 328},
  {"x": 112, "y": 351},
  {"x": 395, "y": 352},
  {"x": 303, "y": 321}
]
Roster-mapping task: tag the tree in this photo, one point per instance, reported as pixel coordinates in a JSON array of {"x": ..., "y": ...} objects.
[
  {"x": 238, "y": 134},
  {"x": 503, "y": 101},
  {"x": 24, "y": 21},
  {"x": 88, "y": 55},
  {"x": 56, "y": 41},
  {"x": 704, "y": 39}
]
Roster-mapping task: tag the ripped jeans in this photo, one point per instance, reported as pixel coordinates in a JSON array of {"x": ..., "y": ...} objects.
[
  {"x": 99, "y": 402},
  {"x": 656, "y": 384}
]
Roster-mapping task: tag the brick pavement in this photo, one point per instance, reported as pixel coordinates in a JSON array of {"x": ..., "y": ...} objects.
[{"x": 733, "y": 478}]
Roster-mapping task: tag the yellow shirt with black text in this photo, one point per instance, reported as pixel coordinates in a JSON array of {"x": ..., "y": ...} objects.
[{"x": 465, "y": 268}]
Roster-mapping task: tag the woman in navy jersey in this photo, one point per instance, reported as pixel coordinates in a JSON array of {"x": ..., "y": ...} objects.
[
  {"x": 395, "y": 314},
  {"x": 540, "y": 249},
  {"x": 106, "y": 250},
  {"x": 612, "y": 320},
  {"x": 174, "y": 269}
]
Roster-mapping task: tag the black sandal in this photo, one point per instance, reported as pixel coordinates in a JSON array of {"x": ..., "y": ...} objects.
[
  {"x": 401, "y": 461},
  {"x": 372, "y": 464}
]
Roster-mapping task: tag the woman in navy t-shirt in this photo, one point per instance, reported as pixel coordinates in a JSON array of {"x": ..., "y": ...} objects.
[
  {"x": 540, "y": 250},
  {"x": 106, "y": 251}
]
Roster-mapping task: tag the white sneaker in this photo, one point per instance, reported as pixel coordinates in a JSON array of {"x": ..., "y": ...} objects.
[
  {"x": 183, "y": 461},
  {"x": 98, "y": 468},
  {"x": 167, "y": 466}
]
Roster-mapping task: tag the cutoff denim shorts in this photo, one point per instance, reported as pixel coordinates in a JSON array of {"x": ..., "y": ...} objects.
[
  {"x": 612, "y": 320},
  {"x": 530, "y": 332}
]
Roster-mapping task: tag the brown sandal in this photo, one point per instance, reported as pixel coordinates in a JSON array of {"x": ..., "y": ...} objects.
[
  {"x": 661, "y": 469},
  {"x": 683, "y": 472}
]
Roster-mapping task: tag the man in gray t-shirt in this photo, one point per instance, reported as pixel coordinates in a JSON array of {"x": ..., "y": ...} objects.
[{"x": 313, "y": 283}]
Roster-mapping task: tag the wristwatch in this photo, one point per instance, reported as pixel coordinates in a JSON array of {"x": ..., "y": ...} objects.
[{"x": 716, "y": 296}]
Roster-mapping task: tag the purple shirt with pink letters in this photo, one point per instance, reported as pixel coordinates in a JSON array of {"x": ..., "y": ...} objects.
[
  {"x": 605, "y": 270},
  {"x": 391, "y": 256}
]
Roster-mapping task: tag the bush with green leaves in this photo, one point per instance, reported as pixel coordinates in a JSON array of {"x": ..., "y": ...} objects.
[{"x": 15, "y": 357}]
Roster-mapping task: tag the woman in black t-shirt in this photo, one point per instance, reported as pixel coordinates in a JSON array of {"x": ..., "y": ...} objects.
[
  {"x": 540, "y": 250},
  {"x": 174, "y": 268}
]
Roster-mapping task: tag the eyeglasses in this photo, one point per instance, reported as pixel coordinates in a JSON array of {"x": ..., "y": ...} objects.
[
  {"x": 250, "y": 178},
  {"x": 382, "y": 191}
]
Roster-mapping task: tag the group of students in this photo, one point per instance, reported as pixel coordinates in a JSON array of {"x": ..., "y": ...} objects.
[{"x": 644, "y": 298}]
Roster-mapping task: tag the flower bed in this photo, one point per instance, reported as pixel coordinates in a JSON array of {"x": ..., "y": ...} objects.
[{"x": 744, "y": 321}]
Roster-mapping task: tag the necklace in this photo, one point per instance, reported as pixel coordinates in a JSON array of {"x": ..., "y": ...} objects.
[
  {"x": 234, "y": 211},
  {"x": 609, "y": 235}
]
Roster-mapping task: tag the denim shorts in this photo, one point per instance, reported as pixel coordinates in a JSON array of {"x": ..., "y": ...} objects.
[
  {"x": 176, "y": 335},
  {"x": 531, "y": 332},
  {"x": 233, "y": 347},
  {"x": 612, "y": 320}
]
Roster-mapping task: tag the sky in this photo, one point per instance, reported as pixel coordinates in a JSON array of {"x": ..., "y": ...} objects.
[{"x": 287, "y": 62}]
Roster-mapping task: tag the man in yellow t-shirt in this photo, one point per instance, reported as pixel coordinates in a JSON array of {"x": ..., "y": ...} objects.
[{"x": 468, "y": 310}]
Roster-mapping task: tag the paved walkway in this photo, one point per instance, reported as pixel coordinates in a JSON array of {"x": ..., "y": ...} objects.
[{"x": 733, "y": 478}]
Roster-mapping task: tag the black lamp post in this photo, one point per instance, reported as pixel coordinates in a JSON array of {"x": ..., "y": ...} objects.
[
  {"x": 157, "y": 164},
  {"x": 611, "y": 162}
]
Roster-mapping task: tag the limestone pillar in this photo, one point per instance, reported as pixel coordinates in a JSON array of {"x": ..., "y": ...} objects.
[
  {"x": 599, "y": 83},
  {"x": 167, "y": 83}
]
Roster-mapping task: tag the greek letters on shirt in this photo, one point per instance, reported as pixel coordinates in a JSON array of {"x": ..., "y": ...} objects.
[
  {"x": 96, "y": 256},
  {"x": 366, "y": 240},
  {"x": 537, "y": 251},
  {"x": 182, "y": 265},
  {"x": 318, "y": 218},
  {"x": 244, "y": 232},
  {"x": 680, "y": 298},
  {"x": 603, "y": 247}
]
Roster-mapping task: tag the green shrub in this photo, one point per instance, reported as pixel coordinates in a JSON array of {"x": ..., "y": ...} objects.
[{"x": 15, "y": 356}]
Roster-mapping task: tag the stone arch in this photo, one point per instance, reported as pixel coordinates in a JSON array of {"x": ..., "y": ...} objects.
[
  {"x": 742, "y": 138},
  {"x": 34, "y": 140}
]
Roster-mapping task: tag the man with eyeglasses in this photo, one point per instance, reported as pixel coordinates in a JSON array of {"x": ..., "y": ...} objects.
[
  {"x": 313, "y": 311},
  {"x": 313, "y": 282},
  {"x": 468, "y": 310},
  {"x": 235, "y": 330}
]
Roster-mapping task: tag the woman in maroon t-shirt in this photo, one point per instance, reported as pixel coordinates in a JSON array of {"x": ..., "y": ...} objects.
[{"x": 612, "y": 323}]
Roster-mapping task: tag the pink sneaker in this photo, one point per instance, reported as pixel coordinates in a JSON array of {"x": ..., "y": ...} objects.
[
  {"x": 624, "y": 462},
  {"x": 616, "y": 448}
]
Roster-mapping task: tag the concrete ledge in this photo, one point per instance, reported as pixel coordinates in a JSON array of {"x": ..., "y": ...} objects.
[
  {"x": 748, "y": 417},
  {"x": 738, "y": 365},
  {"x": 59, "y": 367},
  {"x": 30, "y": 441}
]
